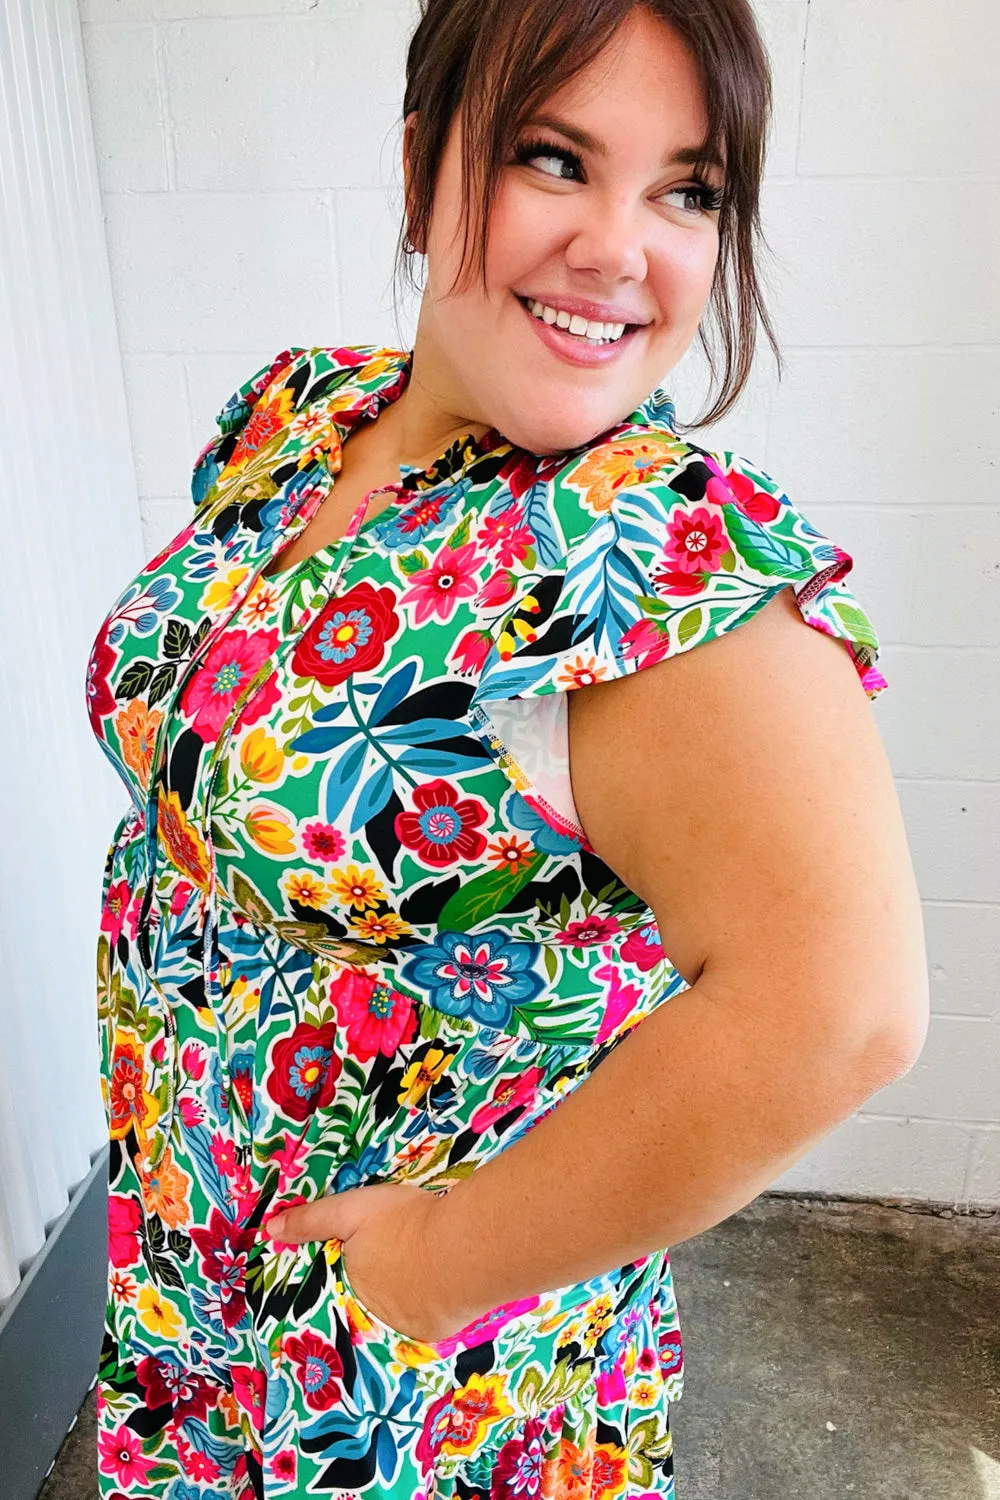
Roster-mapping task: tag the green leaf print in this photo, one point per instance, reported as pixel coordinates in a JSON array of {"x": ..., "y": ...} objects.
[
  {"x": 689, "y": 626},
  {"x": 486, "y": 895},
  {"x": 765, "y": 551},
  {"x": 857, "y": 623},
  {"x": 414, "y": 562}
]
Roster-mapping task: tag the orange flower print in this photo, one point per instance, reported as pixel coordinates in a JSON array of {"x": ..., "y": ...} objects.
[
  {"x": 137, "y": 726},
  {"x": 613, "y": 465},
  {"x": 302, "y": 886},
  {"x": 165, "y": 1190},
  {"x": 509, "y": 852},
  {"x": 582, "y": 672},
  {"x": 568, "y": 1475},
  {"x": 356, "y": 888},
  {"x": 379, "y": 927},
  {"x": 475, "y": 1407},
  {"x": 268, "y": 420},
  {"x": 182, "y": 843},
  {"x": 609, "y": 1474}
]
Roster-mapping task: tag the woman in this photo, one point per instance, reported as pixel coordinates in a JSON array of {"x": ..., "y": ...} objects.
[{"x": 379, "y": 1224}]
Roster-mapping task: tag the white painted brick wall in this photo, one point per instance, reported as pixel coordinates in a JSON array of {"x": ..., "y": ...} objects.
[{"x": 249, "y": 159}]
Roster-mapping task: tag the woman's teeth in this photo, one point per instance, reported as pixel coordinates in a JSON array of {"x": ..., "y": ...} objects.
[{"x": 594, "y": 333}]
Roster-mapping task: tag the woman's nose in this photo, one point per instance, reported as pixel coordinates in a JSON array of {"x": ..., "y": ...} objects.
[{"x": 608, "y": 239}]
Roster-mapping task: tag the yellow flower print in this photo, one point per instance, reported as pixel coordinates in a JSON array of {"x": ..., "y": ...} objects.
[
  {"x": 158, "y": 1314},
  {"x": 376, "y": 928},
  {"x": 357, "y": 888},
  {"x": 474, "y": 1408},
  {"x": 610, "y": 466},
  {"x": 183, "y": 844},
  {"x": 421, "y": 1074},
  {"x": 270, "y": 828},
  {"x": 582, "y": 672},
  {"x": 260, "y": 757},
  {"x": 302, "y": 886},
  {"x": 218, "y": 595},
  {"x": 644, "y": 1393}
]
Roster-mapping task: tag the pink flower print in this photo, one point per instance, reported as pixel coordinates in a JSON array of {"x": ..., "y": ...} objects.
[
  {"x": 179, "y": 899},
  {"x": 250, "y": 1389},
  {"x": 376, "y": 1017},
  {"x": 193, "y": 1060},
  {"x": 471, "y": 651},
  {"x": 191, "y": 1112},
  {"x": 619, "y": 1001},
  {"x": 498, "y": 589},
  {"x": 697, "y": 540},
  {"x": 290, "y": 1159},
  {"x": 323, "y": 843},
  {"x": 124, "y": 1217},
  {"x": 507, "y": 1093},
  {"x": 283, "y": 1466},
  {"x": 196, "y": 1464},
  {"x": 647, "y": 641},
  {"x": 121, "y": 1455},
  {"x": 611, "y": 1383},
  {"x": 642, "y": 948},
  {"x": 508, "y": 535},
  {"x": 100, "y": 698},
  {"x": 115, "y": 907},
  {"x": 230, "y": 665},
  {"x": 436, "y": 589},
  {"x": 224, "y": 1154},
  {"x": 588, "y": 933}
]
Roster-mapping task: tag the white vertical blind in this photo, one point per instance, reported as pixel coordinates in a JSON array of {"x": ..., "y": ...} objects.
[{"x": 70, "y": 541}]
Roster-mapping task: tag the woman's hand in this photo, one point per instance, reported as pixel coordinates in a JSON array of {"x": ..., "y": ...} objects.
[{"x": 392, "y": 1267}]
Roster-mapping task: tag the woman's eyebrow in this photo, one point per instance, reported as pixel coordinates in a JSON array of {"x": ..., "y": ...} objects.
[{"x": 683, "y": 156}]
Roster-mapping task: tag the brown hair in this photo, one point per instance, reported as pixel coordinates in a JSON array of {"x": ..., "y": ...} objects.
[{"x": 501, "y": 60}]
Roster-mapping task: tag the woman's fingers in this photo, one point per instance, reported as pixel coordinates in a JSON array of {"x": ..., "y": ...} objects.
[{"x": 322, "y": 1220}]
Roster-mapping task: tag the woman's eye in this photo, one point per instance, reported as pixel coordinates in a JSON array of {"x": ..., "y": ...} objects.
[
  {"x": 700, "y": 198},
  {"x": 556, "y": 160}
]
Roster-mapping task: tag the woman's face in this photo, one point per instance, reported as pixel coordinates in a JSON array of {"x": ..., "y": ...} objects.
[{"x": 604, "y": 222}]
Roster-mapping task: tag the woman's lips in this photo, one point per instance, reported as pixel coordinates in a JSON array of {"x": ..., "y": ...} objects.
[{"x": 572, "y": 348}]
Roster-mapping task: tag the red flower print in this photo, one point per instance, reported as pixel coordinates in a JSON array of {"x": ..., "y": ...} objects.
[
  {"x": 508, "y": 1093},
  {"x": 304, "y": 1070},
  {"x": 234, "y": 660},
  {"x": 730, "y": 489},
  {"x": 318, "y": 1369},
  {"x": 115, "y": 907},
  {"x": 224, "y": 1154},
  {"x": 130, "y": 1104},
  {"x": 643, "y": 948},
  {"x": 196, "y": 1464},
  {"x": 420, "y": 515},
  {"x": 517, "y": 1474},
  {"x": 471, "y": 651},
  {"x": 165, "y": 1380},
  {"x": 323, "y": 843},
  {"x": 451, "y": 576},
  {"x": 375, "y": 1017},
  {"x": 585, "y": 934},
  {"x": 121, "y": 1455},
  {"x": 672, "y": 581},
  {"x": 443, "y": 829},
  {"x": 696, "y": 539},
  {"x": 100, "y": 699},
  {"x": 224, "y": 1250},
  {"x": 124, "y": 1218},
  {"x": 348, "y": 635}
]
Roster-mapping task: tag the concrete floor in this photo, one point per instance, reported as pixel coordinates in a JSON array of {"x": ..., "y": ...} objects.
[{"x": 832, "y": 1349}]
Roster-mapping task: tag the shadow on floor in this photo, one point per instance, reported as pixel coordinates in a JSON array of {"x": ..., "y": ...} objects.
[{"x": 832, "y": 1349}]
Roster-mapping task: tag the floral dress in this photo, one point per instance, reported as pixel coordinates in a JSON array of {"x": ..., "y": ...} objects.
[{"x": 352, "y": 930}]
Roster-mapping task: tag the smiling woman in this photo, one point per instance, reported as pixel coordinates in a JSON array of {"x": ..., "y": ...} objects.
[{"x": 436, "y": 805}]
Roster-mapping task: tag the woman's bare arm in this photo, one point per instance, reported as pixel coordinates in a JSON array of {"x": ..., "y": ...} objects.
[{"x": 743, "y": 791}]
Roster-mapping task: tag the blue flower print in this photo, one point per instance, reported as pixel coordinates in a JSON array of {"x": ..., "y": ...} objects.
[{"x": 482, "y": 976}]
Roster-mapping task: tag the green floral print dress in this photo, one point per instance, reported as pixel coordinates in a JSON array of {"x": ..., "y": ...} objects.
[{"x": 352, "y": 930}]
